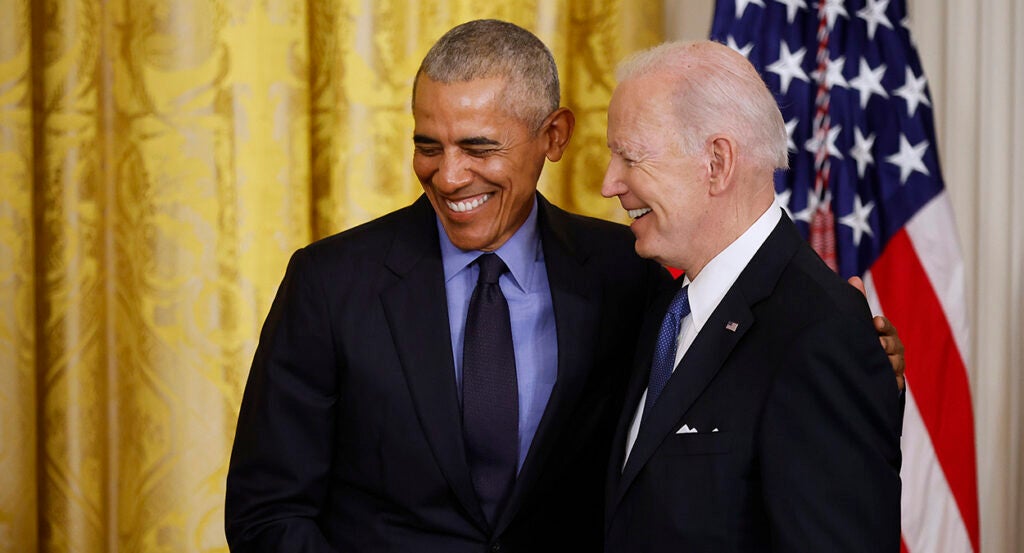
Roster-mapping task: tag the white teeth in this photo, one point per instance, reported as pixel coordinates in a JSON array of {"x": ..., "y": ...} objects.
[
  {"x": 638, "y": 213},
  {"x": 470, "y": 205}
]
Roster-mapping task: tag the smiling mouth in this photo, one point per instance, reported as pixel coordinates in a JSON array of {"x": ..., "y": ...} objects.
[
  {"x": 468, "y": 205},
  {"x": 638, "y": 213}
]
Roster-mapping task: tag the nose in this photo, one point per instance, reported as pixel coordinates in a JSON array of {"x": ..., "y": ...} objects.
[
  {"x": 613, "y": 185},
  {"x": 454, "y": 170}
]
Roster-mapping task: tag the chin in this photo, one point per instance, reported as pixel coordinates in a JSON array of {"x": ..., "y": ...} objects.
[
  {"x": 649, "y": 251},
  {"x": 643, "y": 251}
]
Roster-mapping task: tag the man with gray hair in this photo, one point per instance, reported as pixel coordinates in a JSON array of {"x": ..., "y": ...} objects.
[
  {"x": 446, "y": 378},
  {"x": 761, "y": 414}
]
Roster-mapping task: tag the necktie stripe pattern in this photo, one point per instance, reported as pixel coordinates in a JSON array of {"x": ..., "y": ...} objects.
[
  {"x": 490, "y": 393},
  {"x": 665, "y": 348},
  {"x": 893, "y": 220}
]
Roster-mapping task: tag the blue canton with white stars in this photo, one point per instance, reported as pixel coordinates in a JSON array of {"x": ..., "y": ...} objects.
[{"x": 881, "y": 143}]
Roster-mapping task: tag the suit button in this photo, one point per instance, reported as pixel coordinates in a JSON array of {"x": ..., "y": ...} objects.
[{"x": 496, "y": 547}]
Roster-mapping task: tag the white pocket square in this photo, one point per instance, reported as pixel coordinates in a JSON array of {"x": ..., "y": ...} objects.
[{"x": 687, "y": 430}]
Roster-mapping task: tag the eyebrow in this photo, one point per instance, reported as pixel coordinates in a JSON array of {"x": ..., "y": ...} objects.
[
  {"x": 469, "y": 141},
  {"x": 478, "y": 141}
]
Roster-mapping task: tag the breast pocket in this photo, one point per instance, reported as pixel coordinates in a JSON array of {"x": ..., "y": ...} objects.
[{"x": 704, "y": 443}]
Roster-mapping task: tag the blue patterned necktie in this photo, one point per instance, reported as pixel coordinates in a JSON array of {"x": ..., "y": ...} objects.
[
  {"x": 665, "y": 348},
  {"x": 490, "y": 392}
]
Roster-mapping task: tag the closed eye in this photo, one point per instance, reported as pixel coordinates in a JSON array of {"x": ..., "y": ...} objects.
[
  {"x": 630, "y": 162},
  {"x": 428, "y": 151},
  {"x": 479, "y": 146},
  {"x": 426, "y": 146}
]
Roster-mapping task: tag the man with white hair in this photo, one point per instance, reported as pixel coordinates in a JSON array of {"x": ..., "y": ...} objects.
[{"x": 761, "y": 414}]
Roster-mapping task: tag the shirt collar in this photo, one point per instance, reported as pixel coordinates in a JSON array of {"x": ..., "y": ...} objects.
[
  {"x": 707, "y": 290},
  {"x": 520, "y": 252}
]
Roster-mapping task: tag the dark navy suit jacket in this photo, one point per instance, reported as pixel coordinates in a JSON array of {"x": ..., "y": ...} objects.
[
  {"x": 806, "y": 456},
  {"x": 349, "y": 437}
]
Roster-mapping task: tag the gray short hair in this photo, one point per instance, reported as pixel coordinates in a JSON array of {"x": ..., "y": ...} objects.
[
  {"x": 487, "y": 48},
  {"x": 716, "y": 90}
]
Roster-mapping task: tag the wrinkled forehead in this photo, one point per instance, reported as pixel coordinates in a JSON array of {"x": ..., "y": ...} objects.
[{"x": 638, "y": 104}]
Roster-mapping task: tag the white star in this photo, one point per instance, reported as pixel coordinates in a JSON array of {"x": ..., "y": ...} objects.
[
  {"x": 745, "y": 50},
  {"x": 833, "y": 9},
  {"x": 790, "y": 128},
  {"x": 783, "y": 199},
  {"x": 813, "y": 203},
  {"x": 858, "y": 219},
  {"x": 874, "y": 15},
  {"x": 869, "y": 82},
  {"x": 787, "y": 67},
  {"x": 909, "y": 158},
  {"x": 833, "y": 73},
  {"x": 861, "y": 151},
  {"x": 913, "y": 91},
  {"x": 791, "y": 7},
  {"x": 813, "y": 144},
  {"x": 741, "y": 6}
]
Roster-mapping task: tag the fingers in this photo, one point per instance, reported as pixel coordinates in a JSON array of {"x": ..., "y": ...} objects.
[
  {"x": 891, "y": 344},
  {"x": 901, "y": 380},
  {"x": 893, "y": 347},
  {"x": 898, "y": 368}
]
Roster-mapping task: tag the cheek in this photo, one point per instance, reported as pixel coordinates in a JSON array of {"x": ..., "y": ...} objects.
[
  {"x": 424, "y": 167},
  {"x": 496, "y": 170}
]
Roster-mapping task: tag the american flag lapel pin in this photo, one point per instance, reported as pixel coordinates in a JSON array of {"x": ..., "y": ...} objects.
[{"x": 731, "y": 326}]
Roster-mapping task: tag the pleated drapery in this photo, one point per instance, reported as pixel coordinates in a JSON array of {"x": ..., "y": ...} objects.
[{"x": 159, "y": 162}]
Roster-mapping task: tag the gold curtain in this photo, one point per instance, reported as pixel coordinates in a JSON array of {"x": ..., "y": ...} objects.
[{"x": 159, "y": 161}]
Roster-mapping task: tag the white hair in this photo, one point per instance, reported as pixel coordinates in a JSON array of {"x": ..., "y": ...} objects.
[{"x": 716, "y": 90}]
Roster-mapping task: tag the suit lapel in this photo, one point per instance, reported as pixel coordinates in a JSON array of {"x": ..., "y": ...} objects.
[
  {"x": 417, "y": 313},
  {"x": 639, "y": 376},
  {"x": 574, "y": 296},
  {"x": 699, "y": 365},
  {"x": 709, "y": 351}
]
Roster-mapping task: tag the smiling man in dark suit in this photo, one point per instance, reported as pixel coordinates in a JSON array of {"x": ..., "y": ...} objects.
[
  {"x": 761, "y": 415},
  {"x": 366, "y": 424}
]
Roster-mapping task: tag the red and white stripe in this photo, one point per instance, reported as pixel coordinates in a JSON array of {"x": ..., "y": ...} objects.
[
  {"x": 822, "y": 224},
  {"x": 918, "y": 283}
]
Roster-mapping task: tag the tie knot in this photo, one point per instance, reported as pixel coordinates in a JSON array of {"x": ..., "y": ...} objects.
[
  {"x": 680, "y": 306},
  {"x": 491, "y": 268}
]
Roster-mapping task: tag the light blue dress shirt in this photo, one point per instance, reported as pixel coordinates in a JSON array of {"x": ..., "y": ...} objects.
[{"x": 526, "y": 289}]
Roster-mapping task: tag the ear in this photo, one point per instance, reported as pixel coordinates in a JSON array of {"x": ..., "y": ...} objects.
[
  {"x": 722, "y": 164},
  {"x": 558, "y": 129}
]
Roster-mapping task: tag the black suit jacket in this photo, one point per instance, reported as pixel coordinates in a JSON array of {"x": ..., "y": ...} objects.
[
  {"x": 806, "y": 454},
  {"x": 349, "y": 437}
]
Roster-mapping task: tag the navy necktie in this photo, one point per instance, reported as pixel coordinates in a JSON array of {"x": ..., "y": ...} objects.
[
  {"x": 665, "y": 348},
  {"x": 490, "y": 393}
]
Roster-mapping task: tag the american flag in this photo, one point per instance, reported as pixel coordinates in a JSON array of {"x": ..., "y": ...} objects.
[{"x": 865, "y": 188}]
